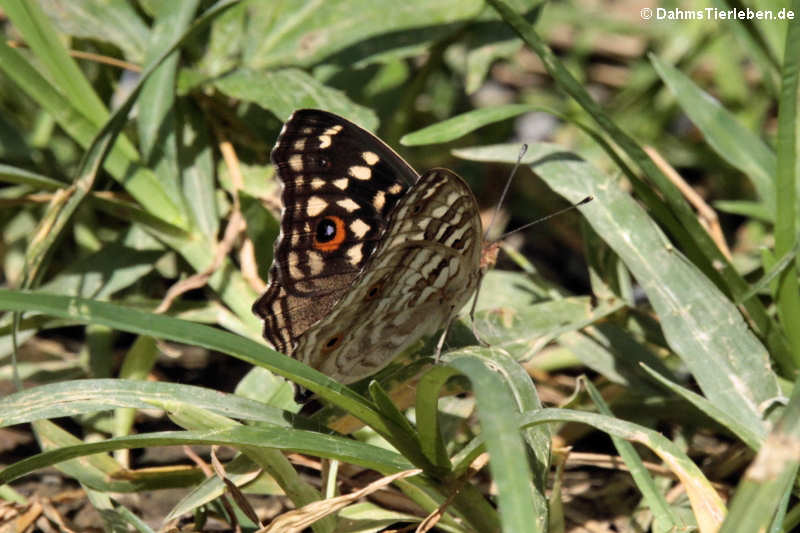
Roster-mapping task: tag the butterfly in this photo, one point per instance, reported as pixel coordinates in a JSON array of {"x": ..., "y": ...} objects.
[{"x": 371, "y": 256}]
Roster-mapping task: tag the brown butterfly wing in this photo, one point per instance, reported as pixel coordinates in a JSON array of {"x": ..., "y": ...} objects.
[
  {"x": 340, "y": 183},
  {"x": 423, "y": 271}
]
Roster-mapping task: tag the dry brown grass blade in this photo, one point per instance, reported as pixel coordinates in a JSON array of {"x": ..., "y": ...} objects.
[
  {"x": 233, "y": 490},
  {"x": 295, "y": 521},
  {"x": 55, "y": 517},
  {"x": 89, "y": 56},
  {"x": 708, "y": 217},
  {"x": 432, "y": 519},
  {"x": 15, "y": 522}
]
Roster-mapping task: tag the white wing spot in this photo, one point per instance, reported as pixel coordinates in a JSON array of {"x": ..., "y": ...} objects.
[
  {"x": 395, "y": 189},
  {"x": 294, "y": 272},
  {"x": 296, "y": 162},
  {"x": 441, "y": 279},
  {"x": 430, "y": 191},
  {"x": 354, "y": 254},
  {"x": 370, "y": 158},
  {"x": 315, "y": 206},
  {"x": 300, "y": 144},
  {"x": 347, "y": 204},
  {"x": 324, "y": 141},
  {"x": 379, "y": 201},
  {"x": 439, "y": 211},
  {"x": 315, "y": 263},
  {"x": 317, "y": 183},
  {"x": 341, "y": 183},
  {"x": 333, "y": 130},
  {"x": 359, "y": 228},
  {"x": 360, "y": 172}
]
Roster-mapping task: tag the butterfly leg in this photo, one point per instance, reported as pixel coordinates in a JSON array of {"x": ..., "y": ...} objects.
[
  {"x": 440, "y": 344},
  {"x": 472, "y": 312}
]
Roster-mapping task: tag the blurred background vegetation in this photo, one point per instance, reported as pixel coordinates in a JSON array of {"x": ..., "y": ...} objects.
[{"x": 134, "y": 171}]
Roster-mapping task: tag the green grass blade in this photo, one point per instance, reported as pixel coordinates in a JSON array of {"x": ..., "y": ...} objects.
[
  {"x": 404, "y": 436},
  {"x": 788, "y": 294},
  {"x": 21, "y": 176},
  {"x": 721, "y": 415},
  {"x": 427, "y": 414},
  {"x": 504, "y": 443},
  {"x": 539, "y": 438},
  {"x": 460, "y": 125},
  {"x": 317, "y": 444},
  {"x": 663, "y": 515},
  {"x": 94, "y": 472},
  {"x": 118, "y": 23},
  {"x": 287, "y": 34},
  {"x": 156, "y": 119},
  {"x": 83, "y": 396},
  {"x": 60, "y": 212},
  {"x": 272, "y": 460},
  {"x": 283, "y": 91},
  {"x": 771, "y": 474},
  {"x": 733, "y": 142},
  {"x": 789, "y": 258},
  {"x": 42, "y": 38}
]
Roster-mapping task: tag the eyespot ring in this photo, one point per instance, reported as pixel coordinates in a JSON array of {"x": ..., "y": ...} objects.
[
  {"x": 332, "y": 343},
  {"x": 329, "y": 234},
  {"x": 375, "y": 290}
]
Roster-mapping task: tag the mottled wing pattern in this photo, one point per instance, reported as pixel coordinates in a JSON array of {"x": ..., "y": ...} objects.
[
  {"x": 423, "y": 271},
  {"x": 340, "y": 183}
]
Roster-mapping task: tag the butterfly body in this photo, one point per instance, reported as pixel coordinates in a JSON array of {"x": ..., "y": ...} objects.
[{"x": 371, "y": 256}]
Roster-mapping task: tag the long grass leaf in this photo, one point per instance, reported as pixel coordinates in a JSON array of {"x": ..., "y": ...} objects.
[
  {"x": 503, "y": 440},
  {"x": 732, "y": 141},
  {"x": 655, "y": 500},
  {"x": 770, "y": 476},
  {"x": 788, "y": 294},
  {"x": 42, "y": 38}
]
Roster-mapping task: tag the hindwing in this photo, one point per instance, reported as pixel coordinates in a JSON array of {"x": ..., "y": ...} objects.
[{"x": 424, "y": 269}]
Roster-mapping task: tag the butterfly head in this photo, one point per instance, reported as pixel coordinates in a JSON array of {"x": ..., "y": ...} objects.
[{"x": 489, "y": 253}]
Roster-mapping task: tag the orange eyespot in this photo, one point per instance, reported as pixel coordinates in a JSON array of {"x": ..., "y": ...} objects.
[
  {"x": 329, "y": 234},
  {"x": 332, "y": 343}
]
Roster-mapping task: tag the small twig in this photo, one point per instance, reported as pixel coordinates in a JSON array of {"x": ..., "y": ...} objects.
[
  {"x": 297, "y": 520},
  {"x": 708, "y": 217},
  {"x": 97, "y": 58}
]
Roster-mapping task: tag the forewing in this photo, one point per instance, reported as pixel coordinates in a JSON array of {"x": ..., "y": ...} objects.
[{"x": 340, "y": 183}]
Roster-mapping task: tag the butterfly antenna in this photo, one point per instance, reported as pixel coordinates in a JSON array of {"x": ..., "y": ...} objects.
[
  {"x": 546, "y": 217},
  {"x": 522, "y": 150}
]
